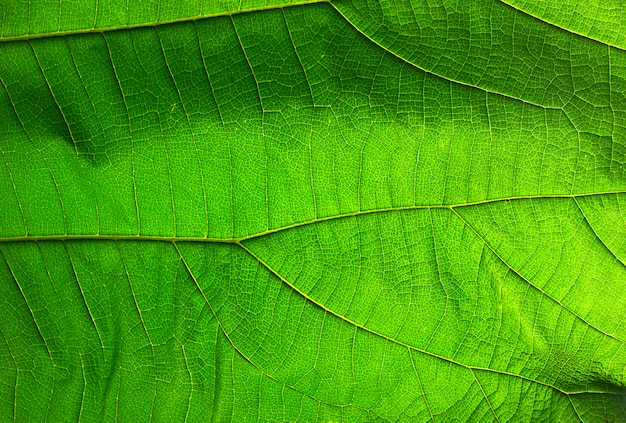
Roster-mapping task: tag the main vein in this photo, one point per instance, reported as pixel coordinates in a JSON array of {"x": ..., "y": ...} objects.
[
  {"x": 95, "y": 30},
  {"x": 235, "y": 240}
]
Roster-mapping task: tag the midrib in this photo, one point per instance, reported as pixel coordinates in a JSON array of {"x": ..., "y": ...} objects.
[
  {"x": 154, "y": 23},
  {"x": 236, "y": 240}
]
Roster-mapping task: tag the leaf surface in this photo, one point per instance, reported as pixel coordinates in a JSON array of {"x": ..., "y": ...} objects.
[{"x": 349, "y": 211}]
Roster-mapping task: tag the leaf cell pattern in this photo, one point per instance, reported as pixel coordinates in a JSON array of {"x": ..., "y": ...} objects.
[{"x": 352, "y": 210}]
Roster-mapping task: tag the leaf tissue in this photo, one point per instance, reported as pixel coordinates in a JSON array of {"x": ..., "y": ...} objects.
[{"x": 334, "y": 211}]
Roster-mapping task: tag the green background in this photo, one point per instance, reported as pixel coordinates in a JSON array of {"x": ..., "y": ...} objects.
[{"x": 350, "y": 211}]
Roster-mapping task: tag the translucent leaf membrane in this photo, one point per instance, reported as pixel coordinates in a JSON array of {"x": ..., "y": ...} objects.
[
  {"x": 103, "y": 331},
  {"x": 220, "y": 128},
  {"x": 353, "y": 211},
  {"x": 441, "y": 283},
  {"x": 24, "y": 19},
  {"x": 603, "y": 21},
  {"x": 605, "y": 215},
  {"x": 210, "y": 329}
]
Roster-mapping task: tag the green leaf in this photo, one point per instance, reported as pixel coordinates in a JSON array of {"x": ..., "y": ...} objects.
[{"x": 351, "y": 211}]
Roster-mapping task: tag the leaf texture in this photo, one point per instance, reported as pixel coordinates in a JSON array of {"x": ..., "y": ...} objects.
[{"x": 349, "y": 211}]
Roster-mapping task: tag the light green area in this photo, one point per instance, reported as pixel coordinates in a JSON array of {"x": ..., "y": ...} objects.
[
  {"x": 600, "y": 20},
  {"x": 353, "y": 211}
]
